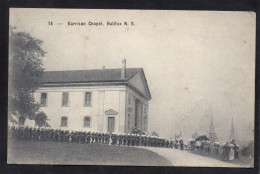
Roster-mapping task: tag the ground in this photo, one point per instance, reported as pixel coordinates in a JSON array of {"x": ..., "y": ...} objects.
[{"x": 34, "y": 152}]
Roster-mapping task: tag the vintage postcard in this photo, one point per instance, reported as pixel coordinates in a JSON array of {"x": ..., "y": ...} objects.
[{"x": 131, "y": 87}]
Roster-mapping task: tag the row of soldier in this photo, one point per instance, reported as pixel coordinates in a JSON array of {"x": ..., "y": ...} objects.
[{"x": 57, "y": 135}]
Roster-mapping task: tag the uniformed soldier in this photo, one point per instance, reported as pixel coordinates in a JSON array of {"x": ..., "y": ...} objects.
[
  {"x": 107, "y": 138},
  {"x": 112, "y": 138},
  {"x": 103, "y": 138},
  {"x": 96, "y": 137},
  {"x": 99, "y": 137},
  {"x": 124, "y": 139}
]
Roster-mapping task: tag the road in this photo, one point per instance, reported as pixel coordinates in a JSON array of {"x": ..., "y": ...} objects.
[{"x": 185, "y": 158}]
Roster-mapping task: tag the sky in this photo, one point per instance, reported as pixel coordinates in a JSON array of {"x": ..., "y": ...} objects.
[{"x": 198, "y": 64}]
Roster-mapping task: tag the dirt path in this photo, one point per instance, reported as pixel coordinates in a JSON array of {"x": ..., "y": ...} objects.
[{"x": 185, "y": 158}]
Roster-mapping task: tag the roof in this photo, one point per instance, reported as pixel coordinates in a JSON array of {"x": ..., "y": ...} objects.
[
  {"x": 98, "y": 75},
  {"x": 94, "y": 76}
]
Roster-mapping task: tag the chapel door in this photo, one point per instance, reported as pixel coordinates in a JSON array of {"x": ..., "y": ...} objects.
[{"x": 111, "y": 124}]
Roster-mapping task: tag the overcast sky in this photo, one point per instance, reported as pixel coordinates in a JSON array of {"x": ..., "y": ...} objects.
[{"x": 198, "y": 64}]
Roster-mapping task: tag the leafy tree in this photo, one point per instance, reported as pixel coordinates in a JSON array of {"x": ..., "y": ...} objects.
[
  {"x": 25, "y": 71},
  {"x": 40, "y": 119}
]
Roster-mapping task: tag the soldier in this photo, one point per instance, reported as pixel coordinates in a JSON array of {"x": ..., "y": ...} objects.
[
  {"x": 113, "y": 138},
  {"x": 144, "y": 140},
  {"x": 137, "y": 140},
  {"x": 96, "y": 137},
  {"x": 134, "y": 140},
  {"x": 59, "y": 135},
  {"x": 99, "y": 137},
  {"x": 107, "y": 138},
  {"x": 92, "y": 137},
  {"x": 103, "y": 138},
  {"x": 124, "y": 139},
  {"x": 127, "y": 139}
]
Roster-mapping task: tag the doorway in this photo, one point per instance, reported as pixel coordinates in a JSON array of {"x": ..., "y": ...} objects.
[{"x": 111, "y": 124}]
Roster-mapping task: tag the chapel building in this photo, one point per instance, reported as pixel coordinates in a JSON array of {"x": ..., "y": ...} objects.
[{"x": 104, "y": 100}]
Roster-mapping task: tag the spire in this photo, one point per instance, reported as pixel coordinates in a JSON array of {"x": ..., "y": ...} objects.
[
  {"x": 211, "y": 127},
  {"x": 232, "y": 134}
]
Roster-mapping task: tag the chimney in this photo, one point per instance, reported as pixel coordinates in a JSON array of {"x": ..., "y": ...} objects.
[{"x": 123, "y": 70}]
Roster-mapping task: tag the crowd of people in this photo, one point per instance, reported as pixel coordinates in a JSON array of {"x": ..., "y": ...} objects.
[
  {"x": 58, "y": 135},
  {"x": 228, "y": 152}
]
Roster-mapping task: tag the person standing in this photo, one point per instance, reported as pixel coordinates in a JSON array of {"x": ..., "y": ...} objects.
[
  {"x": 231, "y": 152},
  {"x": 181, "y": 144}
]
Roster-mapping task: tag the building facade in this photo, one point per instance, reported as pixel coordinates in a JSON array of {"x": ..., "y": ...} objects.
[{"x": 105, "y": 100}]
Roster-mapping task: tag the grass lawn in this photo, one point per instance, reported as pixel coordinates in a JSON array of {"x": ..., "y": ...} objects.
[{"x": 34, "y": 152}]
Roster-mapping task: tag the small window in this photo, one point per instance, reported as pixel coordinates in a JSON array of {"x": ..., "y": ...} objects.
[
  {"x": 65, "y": 99},
  {"x": 64, "y": 121},
  {"x": 44, "y": 99},
  {"x": 129, "y": 99},
  {"x": 87, "y": 121},
  {"x": 21, "y": 120},
  {"x": 87, "y": 101}
]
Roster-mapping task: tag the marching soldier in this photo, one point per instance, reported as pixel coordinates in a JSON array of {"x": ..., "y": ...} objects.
[
  {"x": 103, "y": 138},
  {"x": 107, "y": 138},
  {"x": 124, "y": 139}
]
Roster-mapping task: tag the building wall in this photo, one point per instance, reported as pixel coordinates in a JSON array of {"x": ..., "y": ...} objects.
[
  {"x": 103, "y": 99},
  {"x": 131, "y": 97}
]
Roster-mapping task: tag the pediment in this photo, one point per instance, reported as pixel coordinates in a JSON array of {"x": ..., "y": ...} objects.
[
  {"x": 111, "y": 112},
  {"x": 139, "y": 82}
]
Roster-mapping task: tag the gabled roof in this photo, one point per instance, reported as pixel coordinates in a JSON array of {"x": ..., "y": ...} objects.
[
  {"x": 97, "y": 75},
  {"x": 93, "y": 76}
]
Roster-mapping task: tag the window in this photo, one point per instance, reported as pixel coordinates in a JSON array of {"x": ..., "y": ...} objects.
[
  {"x": 44, "y": 99},
  {"x": 87, "y": 101},
  {"x": 21, "y": 120},
  {"x": 64, "y": 121},
  {"x": 129, "y": 122},
  {"x": 86, "y": 121},
  {"x": 129, "y": 99},
  {"x": 65, "y": 99}
]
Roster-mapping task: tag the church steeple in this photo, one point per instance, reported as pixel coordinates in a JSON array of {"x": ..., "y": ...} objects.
[
  {"x": 232, "y": 134},
  {"x": 211, "y": 127},
  {"x": 212, "y": 135}
]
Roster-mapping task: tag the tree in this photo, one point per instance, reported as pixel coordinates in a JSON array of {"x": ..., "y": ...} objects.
[
  {"x": 40, "y": 119},
  {"x": 25, "y": 72}
]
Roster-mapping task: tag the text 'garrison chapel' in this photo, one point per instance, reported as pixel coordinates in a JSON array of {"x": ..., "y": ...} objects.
[{"x": 105, "y": 100}]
